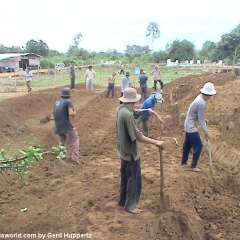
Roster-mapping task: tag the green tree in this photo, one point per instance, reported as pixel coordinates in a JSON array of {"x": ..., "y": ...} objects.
[
  {"x": 160, "y": 56},
  {"x": 208, "y": 51},
  {"x": 229, "y": 45},
  {"x": 153, "y": 32},
  {"x": 13, "y": 49},
  {"x": 181, "y": 50},
  {"x": 38, "y": 47},
  {"x": 137, "y": 49}
]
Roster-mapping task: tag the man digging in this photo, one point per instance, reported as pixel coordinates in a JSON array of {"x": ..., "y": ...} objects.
[{"x": 196, "y": 116}]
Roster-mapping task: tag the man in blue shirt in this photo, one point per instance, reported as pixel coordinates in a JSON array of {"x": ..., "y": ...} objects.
[{"x": 149, "y": 103}]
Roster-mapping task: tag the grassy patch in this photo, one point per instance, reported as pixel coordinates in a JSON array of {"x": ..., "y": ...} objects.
[{"x": 63, "y": 78}]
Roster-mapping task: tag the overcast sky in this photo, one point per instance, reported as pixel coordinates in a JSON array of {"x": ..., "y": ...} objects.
[{"x": 110, "y": 24}]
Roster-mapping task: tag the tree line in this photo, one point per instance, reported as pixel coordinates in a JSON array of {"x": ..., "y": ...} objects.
[{"x": 227, "y": 49}]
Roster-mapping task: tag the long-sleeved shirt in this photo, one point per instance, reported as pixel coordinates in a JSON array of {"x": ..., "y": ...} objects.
[
  {"x": 28, "y": 75},
  {"x": 196, "y": 116},
  {"x": 125, "y": 83}
]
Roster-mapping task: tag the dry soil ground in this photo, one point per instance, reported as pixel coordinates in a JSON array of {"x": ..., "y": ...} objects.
[{"x": 64, "y": 198}]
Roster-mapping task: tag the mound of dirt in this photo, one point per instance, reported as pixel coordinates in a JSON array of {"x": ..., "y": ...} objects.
[{"x": 64, "y": 199}]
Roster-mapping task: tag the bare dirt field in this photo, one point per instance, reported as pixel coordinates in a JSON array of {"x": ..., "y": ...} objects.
[{"x": 67, "y": 199}]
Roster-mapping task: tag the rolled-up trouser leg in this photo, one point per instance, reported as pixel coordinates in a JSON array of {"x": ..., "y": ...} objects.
[{"x": 73, "y": 141}]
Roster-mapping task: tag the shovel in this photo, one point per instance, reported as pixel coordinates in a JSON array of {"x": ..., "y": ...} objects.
[
  {"x": 164, "y": 200},
  {"x": 209, "y": 156}
]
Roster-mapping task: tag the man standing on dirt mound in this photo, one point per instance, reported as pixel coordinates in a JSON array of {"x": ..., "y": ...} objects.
[
  {"x": 111, "y": 81},
  {"x": 128, "y": 136},
  {"x": 157, "y": 76},
  {"x": 196, "y": 116},
  {"x": 90, "y": 74},
  {"x": 67, "y": 133}
]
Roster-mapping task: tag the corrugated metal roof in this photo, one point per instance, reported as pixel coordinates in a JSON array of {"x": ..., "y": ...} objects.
[{"x": 13, "y": 55}]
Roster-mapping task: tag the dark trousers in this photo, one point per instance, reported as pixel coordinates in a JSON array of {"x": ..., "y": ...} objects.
[
  {"x": 144, "y": 91},
  {"x": 72, "y": 83},
  {"x": 192, "y": 140},
  {"x": 131, "y": 184},
  {"x": 110, "y": 89},
  {"x": 155, "y": 84}
]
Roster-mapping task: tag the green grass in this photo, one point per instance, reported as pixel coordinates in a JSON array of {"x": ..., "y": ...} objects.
[{"x": 63, "y": 78}]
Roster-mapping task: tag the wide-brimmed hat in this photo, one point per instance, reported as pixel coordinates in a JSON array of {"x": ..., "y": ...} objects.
[
  {"x": 130, "y": 96},
  {"x": 208, "y": 89},
  {"x": 65, "y": 93},
  {"x": 158, "y": 97}
]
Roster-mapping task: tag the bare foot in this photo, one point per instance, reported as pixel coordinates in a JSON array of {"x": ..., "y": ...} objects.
[{"x": 135, "y": 211}]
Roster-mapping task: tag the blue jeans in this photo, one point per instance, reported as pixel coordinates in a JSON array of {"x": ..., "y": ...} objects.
[
  {"x": 192, "y": 140},
  {"x": 131, "y": 184}
]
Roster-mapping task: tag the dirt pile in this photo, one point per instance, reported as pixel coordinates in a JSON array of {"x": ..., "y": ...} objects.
[{"x": 62, "y": 198}]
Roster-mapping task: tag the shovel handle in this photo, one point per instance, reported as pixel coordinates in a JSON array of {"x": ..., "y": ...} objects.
[
  {"x": 161, "y": 171},
  {"x": 210, "y": 156}
]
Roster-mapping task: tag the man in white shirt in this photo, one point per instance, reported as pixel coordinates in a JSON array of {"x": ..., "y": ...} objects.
[
  {"x": 28, "y": 75},
  {"x": 90, "y": 74},
  {"x": 157, "y": 76},
  {"x": 125, "y": 83}
]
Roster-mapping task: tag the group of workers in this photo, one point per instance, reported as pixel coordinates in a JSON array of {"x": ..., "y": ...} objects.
[{"x": 128, "y": 134}]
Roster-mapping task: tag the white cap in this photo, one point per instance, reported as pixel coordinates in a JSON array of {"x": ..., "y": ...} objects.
[
  {"x": 208, "y": 89},
  {"x": 158, "y": 97}
]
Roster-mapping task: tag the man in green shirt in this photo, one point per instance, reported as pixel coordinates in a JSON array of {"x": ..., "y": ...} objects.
[{"x": 128, "y": 136}]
